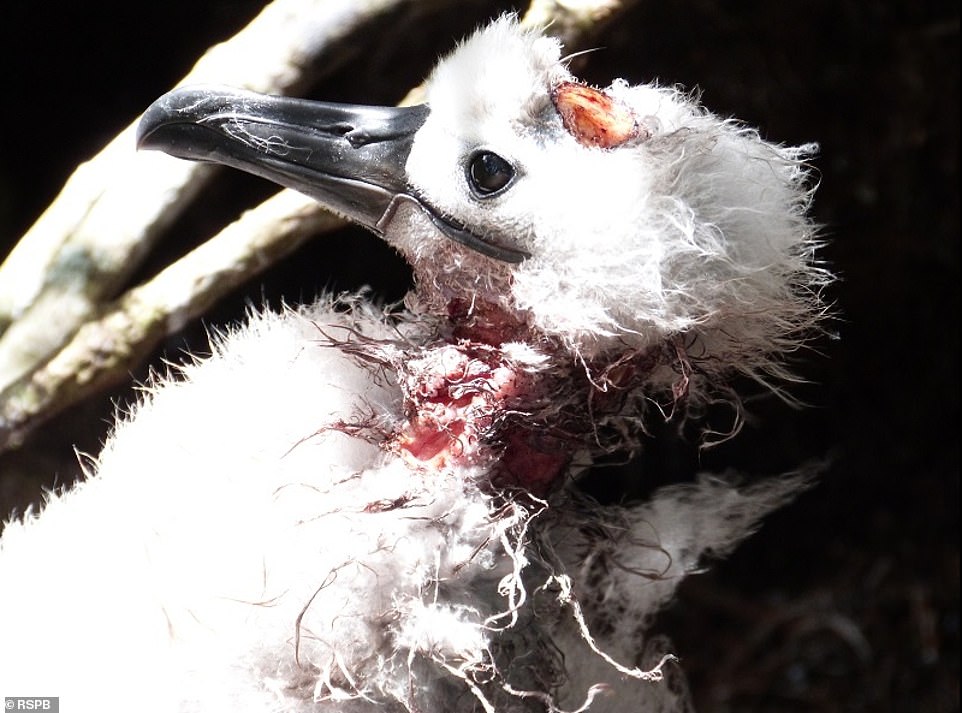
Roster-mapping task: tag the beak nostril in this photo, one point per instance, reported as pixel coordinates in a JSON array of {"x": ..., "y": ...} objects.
[{"x": 341, "y": 129}]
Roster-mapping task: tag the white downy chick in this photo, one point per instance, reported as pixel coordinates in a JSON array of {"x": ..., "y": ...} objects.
[{"x": 342, "y": 511}]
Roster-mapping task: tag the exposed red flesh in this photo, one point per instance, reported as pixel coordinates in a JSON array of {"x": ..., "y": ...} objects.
[
  {"x": 458, "y": 395},
  {"x": 468, "y": 403}
]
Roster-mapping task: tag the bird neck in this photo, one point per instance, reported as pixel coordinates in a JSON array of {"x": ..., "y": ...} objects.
[
  {"x": 488, "y": 396},
  {"x": 488, "y": 391}
]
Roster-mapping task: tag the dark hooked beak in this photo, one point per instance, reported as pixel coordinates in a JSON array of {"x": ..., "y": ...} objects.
[{"x": 349, "y": 158}]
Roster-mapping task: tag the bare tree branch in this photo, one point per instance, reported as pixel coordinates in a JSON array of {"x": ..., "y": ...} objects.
[
  {"x": 106, "y": 348},
  {"x": 575, "y": 22},
  {"x": 116, "y": 206}
]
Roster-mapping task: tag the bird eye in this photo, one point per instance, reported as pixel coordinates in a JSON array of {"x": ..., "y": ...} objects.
[{"x": 488, "y": 173}]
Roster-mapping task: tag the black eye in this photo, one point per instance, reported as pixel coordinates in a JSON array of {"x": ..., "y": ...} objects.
[{"x": 488, "y": 173}]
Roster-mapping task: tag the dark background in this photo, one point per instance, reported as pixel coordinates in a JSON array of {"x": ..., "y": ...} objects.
[{"x": 848, "y": 599}]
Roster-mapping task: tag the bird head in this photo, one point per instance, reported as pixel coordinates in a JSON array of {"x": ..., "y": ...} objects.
[{"x": 601, "y": 219}]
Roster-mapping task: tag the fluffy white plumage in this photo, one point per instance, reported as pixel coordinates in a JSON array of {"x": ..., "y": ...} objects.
[
  {"x": 259, "y": 534},
  {"x": 696, "y": 227}
]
